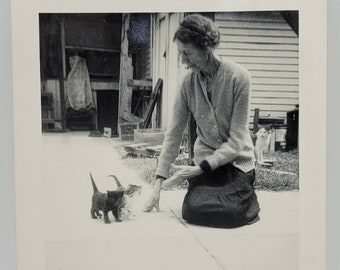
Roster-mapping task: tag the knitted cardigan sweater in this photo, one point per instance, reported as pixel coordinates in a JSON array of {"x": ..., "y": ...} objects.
[{"x": 222, "y": 121}]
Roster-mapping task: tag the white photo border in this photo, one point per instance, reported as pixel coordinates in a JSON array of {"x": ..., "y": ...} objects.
[{"x": 27, "y": 125}]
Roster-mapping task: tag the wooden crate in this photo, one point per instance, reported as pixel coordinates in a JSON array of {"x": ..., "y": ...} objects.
[{"x": 126, "y": 130}]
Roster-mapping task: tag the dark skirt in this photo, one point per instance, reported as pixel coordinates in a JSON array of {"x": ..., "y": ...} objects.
[{"x": 222, "y": 198}]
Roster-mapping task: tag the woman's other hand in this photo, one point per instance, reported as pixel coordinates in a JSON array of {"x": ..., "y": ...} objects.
[{"x": 182, "y": 172}]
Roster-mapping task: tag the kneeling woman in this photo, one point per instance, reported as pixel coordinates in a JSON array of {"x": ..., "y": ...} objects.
[{"x": 216, "y": 93}]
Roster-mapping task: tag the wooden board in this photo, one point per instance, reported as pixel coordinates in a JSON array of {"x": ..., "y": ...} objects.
[
  {"x": 285, "y": 88},
  {"x": 252, "y": 24},
  {"x": 259, "y": 39},
  {"x": 258, "y": 32},
  {"x": 154, "y": 97},
  {"x": 261, "y": 60},
  {"x": 95, "y": 85},
  {"x": 270, "y": 67},
  {"x": 262, "y": 47},
  {"x": 140, "y": 83},
  {"x": 143, "y": 149},
  {"x": 250, "y": 17},
  {"x": 274, "y": 101},
  {"x": 258, "y": 53},
  {"x": 277, "y": 81},
  {"x": 275, "y": 94},
  {"x": 135, "y": 145},
  {"x": 52, "y": 86},
  {"x": 272, "y": 107},
  {"x": 275, "y": 74},
  {"x": 265, "y": 113},
  {"x": 125, "y": 69},
  {"x": 154, "y": 150}
]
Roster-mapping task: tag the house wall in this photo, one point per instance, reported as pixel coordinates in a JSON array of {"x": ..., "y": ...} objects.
[
  {"x": 166, "y": 64},
  {"x": 268, "y": 48}
]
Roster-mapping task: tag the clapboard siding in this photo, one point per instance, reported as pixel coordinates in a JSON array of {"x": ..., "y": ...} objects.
[
  {"x": 260, "y": 39},
  {"x": 260, "y": 47},
  {"x": 274, "y": 74},
  {"x": 258, "y": 53},
  {"x": 273, "y": 100},
  {"x": 265, "y": 44},
  {"x": 284, "y": 88},
  {"x": 274, "y": 94},
  {"x": 252, "y": 25},
  {"x": 272, "y": 17},
  {"x": 275, "y": 81},
  {"x": 257, "y": 32},
  {"x": 272, "y": 107},
  {"x": 262, "y": 60},
  {"x": 268, "y": 67}
]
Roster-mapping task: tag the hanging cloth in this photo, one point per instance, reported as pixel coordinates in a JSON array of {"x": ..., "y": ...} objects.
[{"x": 79, "y": 94}]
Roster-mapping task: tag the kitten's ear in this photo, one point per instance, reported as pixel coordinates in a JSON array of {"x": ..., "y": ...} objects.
[
  {"x": 269, "y": 127},
  {"x": 259, "y": 127},
  {"x": 118, "y": 193}
]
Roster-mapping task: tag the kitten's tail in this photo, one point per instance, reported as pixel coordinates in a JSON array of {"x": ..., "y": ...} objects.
[
  {"x": 117, "y": 181},
  {"x": 95, "y": 189}
]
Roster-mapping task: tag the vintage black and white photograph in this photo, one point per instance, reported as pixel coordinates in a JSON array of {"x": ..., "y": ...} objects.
[
  {"x": 177, "y": 137},
  {"x": 170, "y": 140}
]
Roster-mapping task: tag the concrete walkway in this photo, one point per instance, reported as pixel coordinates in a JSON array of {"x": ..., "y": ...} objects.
[{"x": 73, "y": 241}]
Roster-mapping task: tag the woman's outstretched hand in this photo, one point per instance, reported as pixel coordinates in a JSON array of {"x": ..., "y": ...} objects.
[
  {"x": 153, "y": 201},
  {"x": 182, "y": 172}
]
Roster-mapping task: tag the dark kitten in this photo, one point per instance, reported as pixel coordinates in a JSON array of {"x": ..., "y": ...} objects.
[
  {"x": 106, "y": 202},
  {"x": 130, "y": 194}
]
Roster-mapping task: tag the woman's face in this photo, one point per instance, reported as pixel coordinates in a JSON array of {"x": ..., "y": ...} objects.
[{"x": 192, "y": 56}]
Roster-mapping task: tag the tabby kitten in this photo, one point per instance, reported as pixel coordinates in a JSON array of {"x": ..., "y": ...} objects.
[
  {"x": 262, "y": 141},
  {"x": 106, "y": 202},
  {"x": 130, "y": 195}
]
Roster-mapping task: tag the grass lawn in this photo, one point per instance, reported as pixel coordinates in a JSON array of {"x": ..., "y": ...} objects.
[{"x": 282, "y": 176}]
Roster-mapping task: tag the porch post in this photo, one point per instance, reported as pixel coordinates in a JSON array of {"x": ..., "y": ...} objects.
[{"x": 125, "y": 74}]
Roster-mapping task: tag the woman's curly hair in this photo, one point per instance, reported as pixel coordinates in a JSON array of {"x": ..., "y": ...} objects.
[{"x": 198, "y": 30}]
